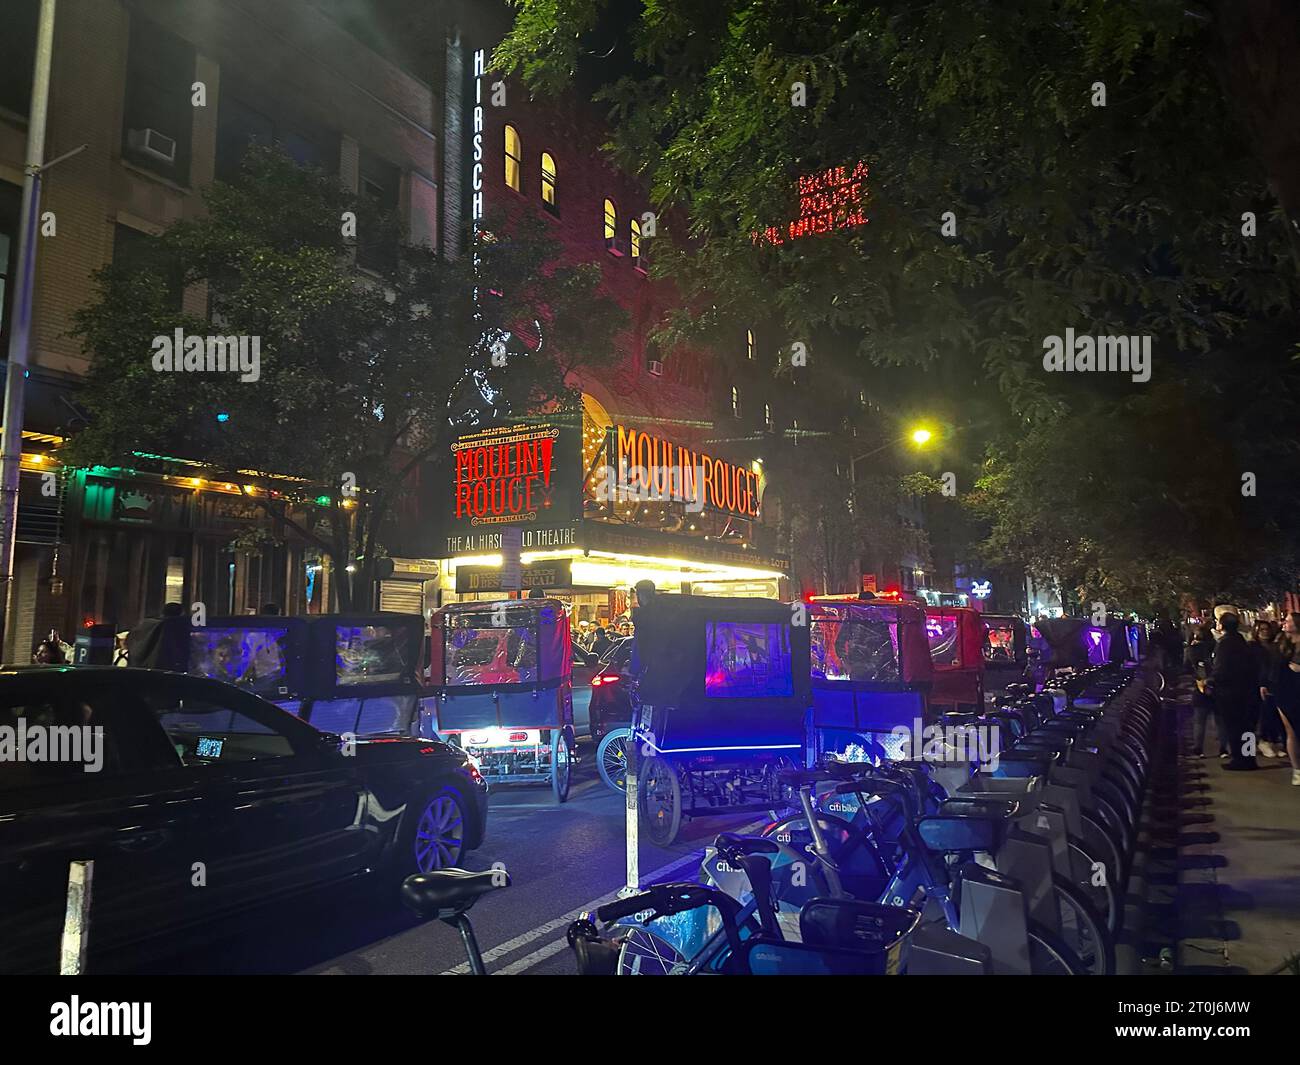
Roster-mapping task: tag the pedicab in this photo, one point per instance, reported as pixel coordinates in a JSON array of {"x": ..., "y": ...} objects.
[
  {"x": 956, "y": 639},
  {"x": 502, "y": 680},
  {"x": 871, "y": 672},
  {"x": 355, "y": 674},
  {"x": 1005, "y": 650},
  {"x": 1076, "y": 644},
  {"x": 1137, "y": 640},
  {"x": 721, "y": 707}
]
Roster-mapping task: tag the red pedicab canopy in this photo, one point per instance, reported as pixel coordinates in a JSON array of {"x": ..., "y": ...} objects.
[
  {"x": 869, "y": 642},
  {"x": 506, "y": 642}
]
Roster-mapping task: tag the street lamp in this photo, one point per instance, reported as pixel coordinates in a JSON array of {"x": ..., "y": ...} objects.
[{"x": 920, "y": 436}]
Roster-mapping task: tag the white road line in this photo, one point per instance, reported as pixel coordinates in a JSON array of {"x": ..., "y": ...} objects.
[
  {"x": 541, "y": 954},
  {"x": 535, "y": 958}
]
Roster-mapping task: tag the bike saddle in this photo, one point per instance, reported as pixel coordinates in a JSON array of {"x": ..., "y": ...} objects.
[{"x": 449, "y": 892}]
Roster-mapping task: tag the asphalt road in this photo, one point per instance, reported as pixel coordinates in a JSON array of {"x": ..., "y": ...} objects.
[{"x": 561, "y": 859}]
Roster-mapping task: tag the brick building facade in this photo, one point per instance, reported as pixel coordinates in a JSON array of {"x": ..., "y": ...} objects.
[{"x": 207, "y": 77}]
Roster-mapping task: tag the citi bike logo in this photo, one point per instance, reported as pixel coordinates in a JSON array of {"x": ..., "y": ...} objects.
[
  {"x": 951, "y": 744},
  {"x": 51, "y": 744},
  {"x": 208, "y": 354}
]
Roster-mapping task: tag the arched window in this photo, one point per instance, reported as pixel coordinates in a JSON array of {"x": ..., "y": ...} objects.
[
  {"x": 548, "y": 181},
  {"x": 749, "y": 344},
  {"x": 611, "y": 224},
  {"x": 735, "y": 401},
  {"x": 634, "y": 230},
  {"x": 514, "y": 159}
]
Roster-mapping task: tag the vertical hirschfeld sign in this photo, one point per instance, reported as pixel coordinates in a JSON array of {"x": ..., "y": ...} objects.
[{"x": 476, "y": 171}]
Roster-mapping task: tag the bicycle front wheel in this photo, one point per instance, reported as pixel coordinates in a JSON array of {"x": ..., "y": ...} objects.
[
  {"x": 644, "y": 953},
  {"x": 1050, "y": 956},
  {"x": 1083, "y": 929}
]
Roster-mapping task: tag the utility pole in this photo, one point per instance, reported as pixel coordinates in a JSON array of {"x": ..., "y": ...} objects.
[{"x": 11, "y": 440}]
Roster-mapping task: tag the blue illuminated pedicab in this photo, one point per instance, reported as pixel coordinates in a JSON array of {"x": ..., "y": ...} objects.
[
  {"x": 723, "y": 698},
  {"x": 871, "y": 673},
  {"x": 356, "y": 674},
  {"x": 502, "y": 678}
]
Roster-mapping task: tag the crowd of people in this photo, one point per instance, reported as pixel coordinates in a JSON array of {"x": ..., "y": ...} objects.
[
  {"x": 597, "y": 639},
  {"x": 1249, "y": 683}
]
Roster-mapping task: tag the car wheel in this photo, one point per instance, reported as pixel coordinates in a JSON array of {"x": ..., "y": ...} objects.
[{"x": 434, "y": 837}]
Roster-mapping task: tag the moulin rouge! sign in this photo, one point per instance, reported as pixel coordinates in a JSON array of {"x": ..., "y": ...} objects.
[
  {"x": 828, "y": 200},
  {"x": 506, "y": 475}
]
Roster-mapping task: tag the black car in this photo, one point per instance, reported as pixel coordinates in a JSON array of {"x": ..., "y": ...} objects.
[
  {"x": 197, "y": 801},
  {"x": 611, "y": 702}
]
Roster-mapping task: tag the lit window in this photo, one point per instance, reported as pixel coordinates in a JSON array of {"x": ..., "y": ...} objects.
[
  {"x": 735, "y": 402},
  {"x": 548, "y": 180},
  {"x": 635, "y": 230},
  {"x": 794, "y": 431},
  {"x": 749, "y": 344},
  {"x": 862, "y": 397},
  {"x": 611, "y": 224},
  {"x": 767, "y": 415},
  {"x": 514, "y": 159}
]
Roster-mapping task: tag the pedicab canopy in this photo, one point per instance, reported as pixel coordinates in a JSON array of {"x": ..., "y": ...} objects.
[
  {"x": 502, "y": 664},
  {"x": 509, "y": 642},
  {"x": 871, "y": 667},
  {"x": 1074, "y": 642},
  {"x": 1006, "y": 642},
  {"x": 322, "y": 657},
  {"x": 956, "y": 638},
  {"x": 263, "y": 654},
  {"x": 723, "y": 673}
]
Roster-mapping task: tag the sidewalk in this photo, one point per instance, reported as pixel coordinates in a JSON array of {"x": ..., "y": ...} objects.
[{"x": 1238, "y": 884}]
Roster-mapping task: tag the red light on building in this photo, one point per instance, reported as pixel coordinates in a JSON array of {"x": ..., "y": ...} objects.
[{"x": 828, "y": 200}]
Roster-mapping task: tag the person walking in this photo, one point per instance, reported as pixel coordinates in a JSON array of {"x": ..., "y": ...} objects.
[
  {"x": 1199, "y": 660},
  {"x": 1288, "y": 690},
  {"x": 1234, "y": 684},
  {"x": 1269, "y": 726}
]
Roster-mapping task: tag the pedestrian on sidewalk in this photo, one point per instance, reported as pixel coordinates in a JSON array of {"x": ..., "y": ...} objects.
[
  {"x": 1288, "y": 690},
  {"x": 1199, "y": 660},
  {"x": 1269, "y": 657},
  {"x": 1234, "y": 684}
]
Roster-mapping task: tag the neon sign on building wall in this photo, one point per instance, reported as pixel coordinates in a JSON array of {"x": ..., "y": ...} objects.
[{"x": 828, "y": 200}]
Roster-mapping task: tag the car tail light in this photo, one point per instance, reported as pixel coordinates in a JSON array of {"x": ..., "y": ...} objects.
[
  {"x": 596, "y": 682},
  {"x": 472, "y": 768},
  {"x": 518, "y": 737}
]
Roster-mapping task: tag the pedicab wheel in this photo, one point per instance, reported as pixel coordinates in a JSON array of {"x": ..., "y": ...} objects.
[
  {"x": 561, "y": 764},
  {"x": 659, "y": 797},
  {"x": 611, "y": 759}
]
